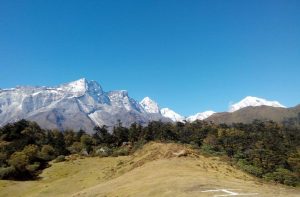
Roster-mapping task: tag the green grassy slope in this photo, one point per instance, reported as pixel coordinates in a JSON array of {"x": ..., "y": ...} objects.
[{"x": 155, "y": 170}]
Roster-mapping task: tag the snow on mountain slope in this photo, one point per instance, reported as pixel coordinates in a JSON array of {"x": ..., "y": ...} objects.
[
  {"x": 253, "y": 101},
  {"x": 168, "y": 113},
  {"x": 200, "y": 116},
  {"x": 152, "y": 107},
  {"x": 80, "y": 104},
  {"x": 75, "y": 87},
  {"x": 83, "y": 104},
  {"x": 149, "y": 105}
]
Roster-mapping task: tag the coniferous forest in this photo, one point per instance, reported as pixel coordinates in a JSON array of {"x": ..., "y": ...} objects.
[{"x": 266, "y": 150}]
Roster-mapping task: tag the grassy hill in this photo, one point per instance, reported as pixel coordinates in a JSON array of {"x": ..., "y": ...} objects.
[
  {"x": 155, "y": 170},
  {"x": 248, "y": 114}
]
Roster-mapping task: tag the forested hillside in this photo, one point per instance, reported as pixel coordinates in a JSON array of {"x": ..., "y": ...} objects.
[
  {"x": 287, "y": 116},
  {"x": 265, "y": 149}
]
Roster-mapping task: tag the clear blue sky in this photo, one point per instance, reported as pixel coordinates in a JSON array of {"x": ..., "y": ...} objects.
[{"x": 190, "y": 56}]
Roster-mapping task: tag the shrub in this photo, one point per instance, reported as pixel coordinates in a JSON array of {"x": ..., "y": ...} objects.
[
  {"x": 60, "y": 158},
  {"x": 3, "y": 158},
  {"x": 31, "y": 151},
  {"x": 194, "y": 145},
  {"x": 19, "y": 160},
  {"x": 122, "y": 151},
  {"x": 84, "y": 152},
  {"x": 33, "y": 167},
  {"x": 283, "y": 176},
  {"x": 86, "y": 142},
  {"x": 7, "y": 172},
  {"x": 75, "y": 148},
  {"x": 256, "y": 171},
  {"x": 138, "y": 145},
  {"x": 207, "y": 149},
  {"x": 47, "y": 153},
  {"x": 103, "y": 152}
]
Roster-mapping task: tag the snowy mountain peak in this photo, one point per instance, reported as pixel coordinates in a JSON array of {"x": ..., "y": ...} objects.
[
  {"x": 168, "y": 113},
  {"x": 79, "y": 104},
  {"x": 78, "y": 83},
  {"x": 149, "y": 105},
  {"x": 200, "y": 116},
  {"x": 81, "y": 86},
  {"x": 78, "y": 86},
  {"x": 253, "y": 101}
]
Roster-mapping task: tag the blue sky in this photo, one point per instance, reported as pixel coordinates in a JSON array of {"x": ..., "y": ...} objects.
[{"x": 190, "y": 56}]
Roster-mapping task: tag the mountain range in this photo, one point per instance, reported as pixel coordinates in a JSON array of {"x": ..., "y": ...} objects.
[
  {"x": 83, "y": 104},
  {"x": 80, "y": 104}
]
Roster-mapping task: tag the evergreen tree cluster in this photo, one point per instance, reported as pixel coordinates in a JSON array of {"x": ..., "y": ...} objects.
[{"x": 264, "y": 149}]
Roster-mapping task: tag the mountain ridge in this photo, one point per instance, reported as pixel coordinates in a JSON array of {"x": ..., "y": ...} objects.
[
  {"x": 79, "y": 104},
  {"x": 83, "y": 104},
  {"x": 263, "y": 113}
]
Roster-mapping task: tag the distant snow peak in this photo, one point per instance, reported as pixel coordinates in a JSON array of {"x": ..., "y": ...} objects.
[
  {"x": 81, "y": 86},
  {"x": 253, "y": 101},
  {"x": 200, "y": 116},
  {"x": 149, "y": 105},
  {"x": 78, "y": 86},
  {"x": 168, "y": 113}
]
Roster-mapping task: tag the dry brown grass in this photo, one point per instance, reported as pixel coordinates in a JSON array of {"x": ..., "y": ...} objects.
[{"x": 153, "y": 170}]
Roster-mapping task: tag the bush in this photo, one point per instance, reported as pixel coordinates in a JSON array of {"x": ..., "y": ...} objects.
[
  {"x": 138, "y": 145},
  {"x": 283, "y": 176},
  {"x": 84, "y": 152},
  {"x": 19, "y": 160},
  {"x": 75, "y": 148},
  {"x": 103, "y": 152},
  {"x": 60, "y": 158},
  {"x": 256, "y": 171},
  {"x": 194, "y": 145},
  {"x": 3, "y": 158},
  {"x": 122, "y": 151},
  {"x": 7, "y": 172},
  {"x": 86, "y": 142},
  {"x": 33, "y": 167},
  {"x": 47, "y": 153},
  {"x": 31, "y": 151},
  {"x": 207, "y": 149}
]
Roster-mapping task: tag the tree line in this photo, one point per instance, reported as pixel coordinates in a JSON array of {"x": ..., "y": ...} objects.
[{"x": 264, "y": 149}]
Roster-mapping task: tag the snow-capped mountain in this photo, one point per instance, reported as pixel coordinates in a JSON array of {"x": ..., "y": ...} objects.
[
  {"x": 200, "y": 116},
  {"x": 80, "y": 104},
  {"x": 152, "y": 107},
  {"x": 253, "y": 101},
  {"x": 83, "y": 104},
  {"x": 168, "y": 113},
  {"x": 149, "y": 105}
]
